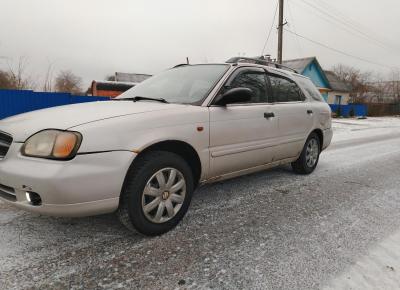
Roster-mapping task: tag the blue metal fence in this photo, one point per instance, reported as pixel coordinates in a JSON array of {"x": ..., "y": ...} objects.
[
  {"x": 351, "y": 110},
  {"x": 13, "y": 102}
]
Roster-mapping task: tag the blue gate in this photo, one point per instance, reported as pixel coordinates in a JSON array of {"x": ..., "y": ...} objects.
[
  {"x": 351, "y": 110},
  {"x": 13, "y": 102}
]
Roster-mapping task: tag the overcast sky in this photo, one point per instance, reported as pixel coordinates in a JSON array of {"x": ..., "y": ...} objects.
[{"x": 95, "y": 38}]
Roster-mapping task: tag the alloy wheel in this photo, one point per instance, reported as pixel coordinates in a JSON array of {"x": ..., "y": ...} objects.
[
  {"x": 312, "y": 152},
  {"x": 163, "y": 195}
]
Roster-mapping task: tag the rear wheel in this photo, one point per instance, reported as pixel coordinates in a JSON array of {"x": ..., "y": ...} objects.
[
  {"x": 309, "y": 157},
  {"x": 156, "y": 194}
]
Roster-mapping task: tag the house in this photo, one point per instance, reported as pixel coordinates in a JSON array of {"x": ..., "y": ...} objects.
[
  {"x": 116, "y": 85},
  {"x": 340, "y": 91},
  {"x": 334, "y": 91},
  {"x": 130, "y": 77},
  {"x": 311, "y": 68},
  {"x": 109, "y": 88}
]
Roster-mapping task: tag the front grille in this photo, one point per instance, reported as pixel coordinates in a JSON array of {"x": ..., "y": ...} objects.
[
  {"x": 7, "y": 193},
  {"x": 5, "y": 143}
]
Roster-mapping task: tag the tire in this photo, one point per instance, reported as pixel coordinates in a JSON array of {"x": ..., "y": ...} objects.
[
  {"x": 136, "y": 210},
  {"x": 303, "y": 165}
]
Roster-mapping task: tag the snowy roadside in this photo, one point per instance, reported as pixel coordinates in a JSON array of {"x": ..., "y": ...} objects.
[
  {"x": 376, "y": 270},
  {"x": 347, "y": 129}
]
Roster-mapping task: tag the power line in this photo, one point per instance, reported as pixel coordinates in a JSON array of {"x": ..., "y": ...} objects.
[
  {"x": 270, "y": 30},
  {"x": 338, "y": 51},
  {"x": 347, "y": 24},
  {"x": 329, "y": 7},
  {"x": 341, "y": 26},
  {"x": 328, "y": 19},
  {"x": 363, "y": 28}
]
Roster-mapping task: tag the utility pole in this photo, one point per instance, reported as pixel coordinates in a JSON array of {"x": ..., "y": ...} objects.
[{"x": 280, "y": 32}]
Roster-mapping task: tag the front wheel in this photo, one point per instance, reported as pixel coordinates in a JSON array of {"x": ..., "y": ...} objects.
[
  {"x": 309, "y": 157},
  {"x": 156, "y": 194}
]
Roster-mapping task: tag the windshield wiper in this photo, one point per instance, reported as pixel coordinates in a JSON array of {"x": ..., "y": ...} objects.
[{"x": 139, "y": 98}]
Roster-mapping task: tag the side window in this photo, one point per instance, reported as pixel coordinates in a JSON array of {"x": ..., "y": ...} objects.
[
  {"x": 310, "y": 90},
  {"x": 254, "y": 80},
  {"x": 284, "y": 90}
]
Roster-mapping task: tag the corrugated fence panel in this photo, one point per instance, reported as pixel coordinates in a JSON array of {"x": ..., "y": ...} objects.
[
  {"x": 356, "y": 110},
  {"x": 361, "y": 110},
  {"x": 13, "y": 102},
  {"x": 378, "y": 109}
]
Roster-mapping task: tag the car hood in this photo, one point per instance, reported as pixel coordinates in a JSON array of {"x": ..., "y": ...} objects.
[{"x": 64, "y": 117}]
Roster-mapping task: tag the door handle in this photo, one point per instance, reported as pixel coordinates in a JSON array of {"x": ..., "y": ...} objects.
[
  {"x": 309, "y": 112},
  {"x": 269, "y": 115}
]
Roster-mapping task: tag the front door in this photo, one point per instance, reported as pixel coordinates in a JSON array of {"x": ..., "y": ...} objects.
[{"x": 243, "y": 136}]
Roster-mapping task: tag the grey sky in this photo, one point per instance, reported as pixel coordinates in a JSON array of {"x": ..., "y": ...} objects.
[{"x": 94, "y": 38}]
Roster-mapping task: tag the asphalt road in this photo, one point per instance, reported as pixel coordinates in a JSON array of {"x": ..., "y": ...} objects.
[{"x": 338, "y": 228}]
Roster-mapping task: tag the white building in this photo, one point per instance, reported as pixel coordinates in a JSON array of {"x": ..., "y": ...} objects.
[{"x": 340, "y": 91}]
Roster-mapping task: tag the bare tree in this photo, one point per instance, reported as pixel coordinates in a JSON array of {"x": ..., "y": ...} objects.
[
  {"x": 48, "y": 79},
  {"x": 5, "y": 82},
  {"x": 17, "y": 75},
  {"x": 395, "y": 78},
  {"x": 15, "y": 78},
  {"x": 379, "y": 88},
  {"x": 67, "y": 82},
  {"x": 357, "y": 79}
]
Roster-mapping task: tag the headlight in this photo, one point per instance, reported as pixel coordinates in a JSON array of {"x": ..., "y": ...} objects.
[{"x": 52, "y": 144}]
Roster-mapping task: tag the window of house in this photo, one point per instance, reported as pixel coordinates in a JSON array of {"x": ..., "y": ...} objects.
[{"x": 338, "y": 100}]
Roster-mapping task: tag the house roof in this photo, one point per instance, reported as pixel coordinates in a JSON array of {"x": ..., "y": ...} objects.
[
  {"x": 319, "y": 78},
  {"x": 336, "y": 84},
  {"x": 113, "y": 86},
  {"x": 299, "y": 64},
  {"x": 130, "y": 77}
]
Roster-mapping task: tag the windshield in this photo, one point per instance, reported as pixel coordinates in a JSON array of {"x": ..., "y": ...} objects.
[{"x": 185, "y": 84}]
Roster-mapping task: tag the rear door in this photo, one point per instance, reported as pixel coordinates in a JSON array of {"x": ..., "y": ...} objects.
[
  {"x": 294, "y": 114},
  {"x": 242, "y": 136}
]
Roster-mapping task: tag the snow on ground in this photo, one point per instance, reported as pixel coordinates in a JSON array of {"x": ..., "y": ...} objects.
[
  {"x": 347, "y": 129},
  {"x": 376, "y": 270}
]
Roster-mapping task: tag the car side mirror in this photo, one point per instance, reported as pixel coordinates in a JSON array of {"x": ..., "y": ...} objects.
[{"x": 234, "y": 96}]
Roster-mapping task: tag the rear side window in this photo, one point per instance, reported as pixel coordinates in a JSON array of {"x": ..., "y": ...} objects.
[
  {"x": 284, "y": 90},
  {"x": 309, "y": 89}
]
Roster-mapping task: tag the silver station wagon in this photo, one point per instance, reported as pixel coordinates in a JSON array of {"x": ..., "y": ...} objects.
[{"x": 143, "y": 154}]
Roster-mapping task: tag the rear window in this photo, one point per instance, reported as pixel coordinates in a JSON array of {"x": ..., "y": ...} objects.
[{"x": 309, "y": 89}]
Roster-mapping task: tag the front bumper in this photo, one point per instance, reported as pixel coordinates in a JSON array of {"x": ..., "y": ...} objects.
[{"x": 86, "y": 185}]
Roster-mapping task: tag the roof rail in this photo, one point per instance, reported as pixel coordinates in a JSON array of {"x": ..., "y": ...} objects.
[
  {"x": 259, "y": 61},
  {"x": 181, "y": 64}
]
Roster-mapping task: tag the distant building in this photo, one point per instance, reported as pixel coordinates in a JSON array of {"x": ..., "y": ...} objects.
[
  {"x": 109, "y": 88},
  {"x": 311, "y": 68},
  {"x": 382, "y": 92},
  {"x": 130, "y": 78},
  {"x": 332, "y": 89},
  {"x": 120, "y": 83},
  {"x": 340, "y": 91}
]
